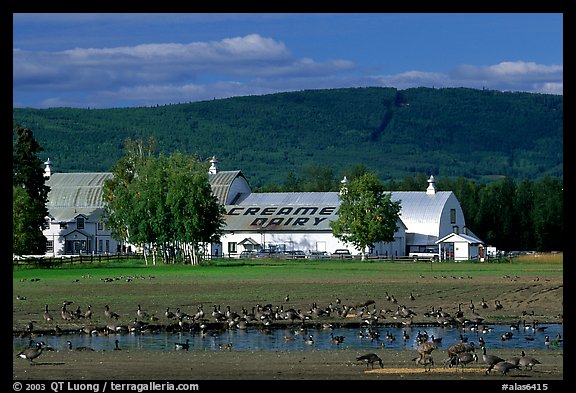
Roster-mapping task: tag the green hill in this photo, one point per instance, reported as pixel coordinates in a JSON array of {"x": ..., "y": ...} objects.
[{"x": 478, "y": 134}]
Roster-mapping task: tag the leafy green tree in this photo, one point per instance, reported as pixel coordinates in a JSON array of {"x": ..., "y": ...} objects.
[
  {"x": 28, "y": 207},
  {"x": 165, "y": 202},
  {"x": 23, "y": 213},
  {"x": 367, "y": 214},
  {"x": 196, "y": 214}
]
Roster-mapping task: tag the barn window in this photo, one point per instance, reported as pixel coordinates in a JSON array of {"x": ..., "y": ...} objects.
[
  {"x": 452, "y": 216},
  {"x": 80, "y": 222},
  {"x": 100, "y": 225},
  {"x": 232, "y": 248}
]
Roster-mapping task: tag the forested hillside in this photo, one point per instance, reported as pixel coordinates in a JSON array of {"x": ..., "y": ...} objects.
[{"x": 477, "y": 134}]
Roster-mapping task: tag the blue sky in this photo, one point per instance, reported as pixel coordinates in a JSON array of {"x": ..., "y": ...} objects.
[{"x": 111, "y": 60}]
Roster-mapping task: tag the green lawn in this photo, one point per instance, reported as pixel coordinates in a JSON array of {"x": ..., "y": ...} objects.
[{"x": 245, "y": 283}]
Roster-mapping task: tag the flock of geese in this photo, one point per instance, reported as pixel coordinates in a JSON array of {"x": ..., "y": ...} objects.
[{"x": 460, "y": 354}]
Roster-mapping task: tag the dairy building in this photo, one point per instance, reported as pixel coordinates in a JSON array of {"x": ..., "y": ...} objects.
[{"x": 261, "y": 221}]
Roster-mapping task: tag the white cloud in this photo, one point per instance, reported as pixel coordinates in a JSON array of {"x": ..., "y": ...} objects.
[{"x": 149, "y": 74}]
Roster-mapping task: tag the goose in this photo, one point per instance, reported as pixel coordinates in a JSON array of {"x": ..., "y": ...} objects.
[
  {"x": 481, "y": 342},
  {"x": 169, "y": 314},
  {"x": 183, "y": 346},
  {"x": 88, "y": 313},
  {"x": 369, "y": 359},
  {"x": 110, "y": 314},
  {"x": 309, "y": 340},
  {"x": 78, "y": 348},
  {"x": 513, "y": 359},
  {"x": 483, "y": 304},
  {"x": 491, "y": 360},
  {"x": 66, "y": 315},
  {"x": 47, "y": 315},
  {"x": 527, "y": 361},
  {"x": 464, "y": 358},
  {"x": 117, "y": 345},
  {"x": 405, "y": 336},
  {"x": 141, "y": 313},
  {"x": 503, "y": 367},
  {"x": 336, "y": 339},
  {"x": 32, "y": 353}
]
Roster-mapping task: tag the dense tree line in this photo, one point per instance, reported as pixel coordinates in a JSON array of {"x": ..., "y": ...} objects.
[{"x": 479, "y": 134}]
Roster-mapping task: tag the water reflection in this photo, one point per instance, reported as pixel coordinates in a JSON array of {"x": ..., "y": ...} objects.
[{"x": 294, "y": 338}]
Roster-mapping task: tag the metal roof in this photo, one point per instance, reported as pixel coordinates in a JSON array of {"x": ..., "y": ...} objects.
[
  {"x": 291, "y": 198},
  {"x": 76, "y": 190},
  {"x": 420, "y": 207},
  {"x": 221, "y": 182}
]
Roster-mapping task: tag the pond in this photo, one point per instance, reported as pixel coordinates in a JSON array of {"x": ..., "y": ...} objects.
[{"x": 294, "y": 338}]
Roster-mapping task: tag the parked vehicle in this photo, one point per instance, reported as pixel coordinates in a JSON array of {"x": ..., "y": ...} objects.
[
  {"x": 318, "y": 255},
  {"x": 248, "y": 254},
  {"x": 296, "y": 254},
  {"x": 341, "y": 253}
]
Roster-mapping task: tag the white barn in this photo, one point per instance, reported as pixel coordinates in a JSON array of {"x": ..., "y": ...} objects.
[
  {"x": 256, "y": 221},
  {"x": 75, "y": 224}
]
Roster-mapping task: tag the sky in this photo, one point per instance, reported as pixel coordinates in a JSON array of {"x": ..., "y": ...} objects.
[{"x": 112, "y": 60}]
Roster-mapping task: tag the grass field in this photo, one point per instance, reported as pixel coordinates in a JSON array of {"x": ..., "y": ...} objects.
[
  {"x": 530, "y": 288},
  {"x": 525, "y": 285}
]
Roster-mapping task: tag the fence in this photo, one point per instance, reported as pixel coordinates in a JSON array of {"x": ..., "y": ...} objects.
[{"x": 59, "y": 261}]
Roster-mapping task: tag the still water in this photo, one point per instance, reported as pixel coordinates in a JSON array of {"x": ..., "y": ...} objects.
[{"x": 293, "y": 338}]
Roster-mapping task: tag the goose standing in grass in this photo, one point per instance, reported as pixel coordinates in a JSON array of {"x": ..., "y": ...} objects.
[
  {"x": 117, "y": 345},
  {"x": 370, "y": 359},
  {"x": 491, "y": 360},
  {"x": 32, "y": 353},
  {"x": 66, "y": 315},
  {"x": 110, "y": 314},
  {"x": 527, "y": 361},
  {"x": 465, "y": 358},
  {"x": 141, "y": 313},
  {"x": 47, "y": 315},
  {"x": 503, "y": 367},
  {"x": 88, "y": 313}
]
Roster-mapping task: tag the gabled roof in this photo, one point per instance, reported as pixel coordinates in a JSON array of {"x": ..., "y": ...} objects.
[
  {"x": 76, "y": 190},
  {"x": 459, "y": 238}
]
